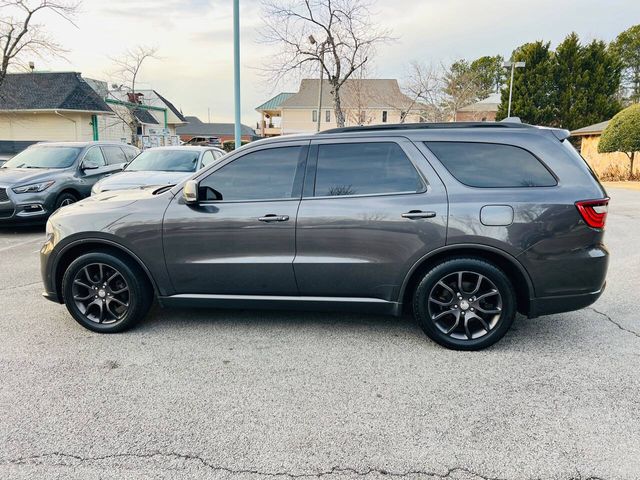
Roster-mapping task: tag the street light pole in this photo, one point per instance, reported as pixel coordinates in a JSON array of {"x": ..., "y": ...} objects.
[
  {"x": 236, "y": 71},
  {"x": 513, "y": 66},
  {"x": 312, "y": 40}
]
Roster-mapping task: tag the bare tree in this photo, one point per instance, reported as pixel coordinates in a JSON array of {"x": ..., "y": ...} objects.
[
  {"x": 21, "y": 38},
  {"x": 344, "y": 34},
  {"x": 460, "y": 87},
  {"x": 127, "y": 67},
  {"x": 129, "y": 64},
  {"x": 423, "y": 85}
]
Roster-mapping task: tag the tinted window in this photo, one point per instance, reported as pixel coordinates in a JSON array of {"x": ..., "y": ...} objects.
[
  {"x": 364, "y": 168},
  {"x": 44, "y": 157},
  {"x": 114, "y": 155},
  {"x": 207, "y": 158},
  {"x": 165, "y": 160},
  {"x": 130, "y": 152},
  {"x": 267, "y": 174},
  {"x": 492, "y": 165},
  {"x": 94, "y": 155}
]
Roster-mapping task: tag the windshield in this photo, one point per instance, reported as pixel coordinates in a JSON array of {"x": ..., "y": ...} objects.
[
  {"x": 44, "y": 157},
  {"x": 165, "y": 161}
]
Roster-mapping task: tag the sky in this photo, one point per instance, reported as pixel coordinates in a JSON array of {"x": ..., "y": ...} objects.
[{"x": 195, "y": 44}]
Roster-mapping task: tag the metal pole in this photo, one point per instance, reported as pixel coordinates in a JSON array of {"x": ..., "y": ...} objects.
[
  {"x": 320, "y": 88},
  {"x": 513, "y": 69},
  {"x": 236, "y": 70}
]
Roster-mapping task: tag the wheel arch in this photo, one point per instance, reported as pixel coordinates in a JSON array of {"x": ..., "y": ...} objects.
[
  {"x": 70, "y": 190},
  {"x": 514, "y": 270},
  {"x": 80, "y": 247}
]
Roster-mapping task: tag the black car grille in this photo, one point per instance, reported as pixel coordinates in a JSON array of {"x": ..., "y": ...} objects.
[{"x": 6, "y": 207}]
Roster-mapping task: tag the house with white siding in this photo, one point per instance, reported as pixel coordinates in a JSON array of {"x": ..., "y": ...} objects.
[{"x": 64, "y": 106}]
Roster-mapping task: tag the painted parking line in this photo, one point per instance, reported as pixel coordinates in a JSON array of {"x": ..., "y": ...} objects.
[{"x": 9, "y": 247}]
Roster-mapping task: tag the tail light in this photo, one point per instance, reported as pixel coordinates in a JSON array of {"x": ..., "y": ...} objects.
[{"x": 594, "y": 212}]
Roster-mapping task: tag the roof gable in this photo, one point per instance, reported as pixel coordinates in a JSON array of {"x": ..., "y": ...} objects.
[
  {"x": 49, "y": 91},
  {"x": 354, "y": 94},
  {"x": 275, "y": 102}
]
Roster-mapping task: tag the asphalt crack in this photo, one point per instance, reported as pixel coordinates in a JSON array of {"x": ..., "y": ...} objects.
[
  {"x": 336, "y": 470},
  {"x": 614, "y": 322},
  {"x": 13, "y": 287}
]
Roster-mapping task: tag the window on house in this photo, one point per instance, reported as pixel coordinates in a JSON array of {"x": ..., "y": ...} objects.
[
  {"x": 314, "y": 116},
  {"x": 327, "y": 116},
  {"x": 492, "y": 165},
  {"x": 384, "y": 116}
]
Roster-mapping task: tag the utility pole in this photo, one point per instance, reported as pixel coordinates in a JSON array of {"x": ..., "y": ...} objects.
[
  {"x": 513, "y": 66},
  {"x": 312, "y": 41},
  {"x": 236, "y": 71}
]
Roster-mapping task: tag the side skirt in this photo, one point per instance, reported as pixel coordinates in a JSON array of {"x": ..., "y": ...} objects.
[{"x": 277, "y": 302}]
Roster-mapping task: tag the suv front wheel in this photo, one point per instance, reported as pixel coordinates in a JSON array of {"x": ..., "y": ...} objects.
[
  {"x": 465, "y": 304},
  {"x": 105, "y": 293}
]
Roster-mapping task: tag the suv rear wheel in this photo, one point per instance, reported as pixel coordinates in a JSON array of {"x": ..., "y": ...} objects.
[
  {"x": 465, "y": 304},
  {"x": 104, "y": 293}
]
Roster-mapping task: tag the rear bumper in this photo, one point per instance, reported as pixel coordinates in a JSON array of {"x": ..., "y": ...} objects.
[{"x": 563, "y": 303}]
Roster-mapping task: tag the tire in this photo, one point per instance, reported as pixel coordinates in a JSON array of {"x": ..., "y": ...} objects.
[
  {"x": 64, "y": 199},
  {"x": 471, "y": 319},
  {"x": 121, "y": 293}
]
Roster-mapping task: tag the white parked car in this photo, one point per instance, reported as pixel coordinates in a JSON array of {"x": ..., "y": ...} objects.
[{"x": 160, "y": 166}]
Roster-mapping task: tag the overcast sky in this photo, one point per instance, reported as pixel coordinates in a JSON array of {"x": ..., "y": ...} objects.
[{"x": 194, "y": 38}]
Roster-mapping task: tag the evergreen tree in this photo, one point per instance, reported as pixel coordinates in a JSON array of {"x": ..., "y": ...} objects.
[
  {"x": 568, "y": 77},
  {"x": 627, "y": 47},
  {"x": 534, "y": 95},
  {"x": 489, "y": 74},
  {"x": 598, "y": 85}
]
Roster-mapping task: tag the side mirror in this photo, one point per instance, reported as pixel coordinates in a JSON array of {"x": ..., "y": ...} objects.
[
  {"x": 89, "y": 165},
  {"x": 190, "y": 192}
]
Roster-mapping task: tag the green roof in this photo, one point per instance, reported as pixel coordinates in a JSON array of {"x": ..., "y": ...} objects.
[{"x": 275, "y": 102}]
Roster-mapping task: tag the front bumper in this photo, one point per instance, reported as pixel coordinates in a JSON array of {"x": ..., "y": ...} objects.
[{"x": 23, "y": 208}]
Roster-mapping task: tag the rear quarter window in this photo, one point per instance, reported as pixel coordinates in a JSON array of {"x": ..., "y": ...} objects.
[{"x": 492, "y": 165}]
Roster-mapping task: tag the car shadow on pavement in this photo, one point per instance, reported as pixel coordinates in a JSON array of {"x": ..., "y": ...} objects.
[
  {"x": 21, "y": 230},
  {"x": 524, "y": 334}
]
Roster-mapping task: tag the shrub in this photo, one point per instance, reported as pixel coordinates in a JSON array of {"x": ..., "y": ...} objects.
[{"x": 623, "y": 135}]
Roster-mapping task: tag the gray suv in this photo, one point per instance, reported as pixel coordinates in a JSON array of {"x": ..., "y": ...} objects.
[
  {"x": 47, "y": 176},
  {"x": 462, "y": 224}
]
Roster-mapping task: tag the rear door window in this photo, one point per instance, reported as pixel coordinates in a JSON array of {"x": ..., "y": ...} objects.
[
  {"x": 364, "y": 169},
  {"x": 114, "y": 155},
  {"x": 492, "y": 165},
  {"x": 94, "y": 155}
]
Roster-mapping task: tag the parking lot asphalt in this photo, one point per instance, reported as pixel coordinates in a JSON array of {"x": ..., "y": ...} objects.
[{"x": 254, "y": 394}]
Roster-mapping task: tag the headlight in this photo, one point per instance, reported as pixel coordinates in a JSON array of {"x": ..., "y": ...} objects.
[
  {"x": 33, "y": 187},
  {"x": 48, "y": 232},
  {"x": 95, "y": 189}
]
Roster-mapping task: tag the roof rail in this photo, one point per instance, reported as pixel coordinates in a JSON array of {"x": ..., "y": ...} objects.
[{"x": 420, "y": 126}]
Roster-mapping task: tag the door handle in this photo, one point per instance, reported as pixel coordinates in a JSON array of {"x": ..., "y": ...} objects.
[
  {"x": 414, "y": 214},
  {"x": 274, "y": 218}
]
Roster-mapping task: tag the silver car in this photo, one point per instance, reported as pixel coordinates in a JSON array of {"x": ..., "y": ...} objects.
[{"x": 160, "y": 166}]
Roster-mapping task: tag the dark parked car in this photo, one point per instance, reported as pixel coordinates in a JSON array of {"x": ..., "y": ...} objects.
[
  {"x": 160, "y": 166},
  {"x": 47, "y": 176},
  {"x": 464, "y": 224},
  {"x": 204, "y": 141}
]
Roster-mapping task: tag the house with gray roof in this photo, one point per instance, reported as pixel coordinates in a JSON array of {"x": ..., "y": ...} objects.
[
  {"x": 40, "y": 106},
  {"x": 484, "y": 110},
  {"x": 364, "y": 102},
  {"x": 194, "y": 127}
]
